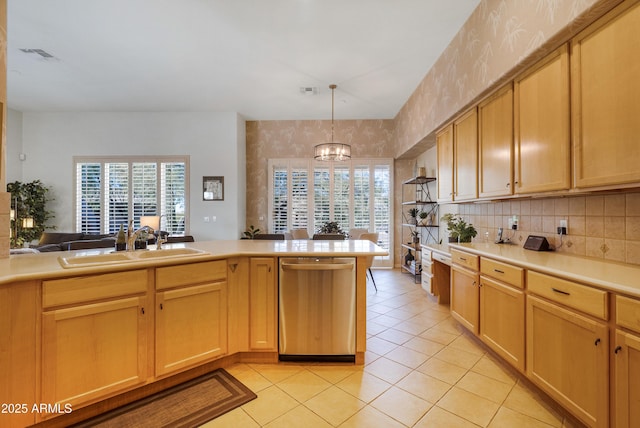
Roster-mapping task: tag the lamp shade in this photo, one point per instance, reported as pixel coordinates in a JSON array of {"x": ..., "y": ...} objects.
[{"x": 152, "y": 221}]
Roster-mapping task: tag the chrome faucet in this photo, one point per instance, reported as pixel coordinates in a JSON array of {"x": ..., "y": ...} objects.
[
  {"x": 159, "y": 241},
  {"x": 132, "y": 236}
]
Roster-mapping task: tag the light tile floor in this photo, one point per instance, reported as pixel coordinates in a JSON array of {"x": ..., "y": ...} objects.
[{"x": 422, "y": 370}]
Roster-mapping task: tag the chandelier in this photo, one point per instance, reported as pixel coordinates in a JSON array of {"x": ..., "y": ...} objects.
[{"x": 332, "y": 151}]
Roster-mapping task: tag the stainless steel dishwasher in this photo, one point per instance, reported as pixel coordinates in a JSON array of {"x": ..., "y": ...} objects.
[{"x": 317, "y": 309}]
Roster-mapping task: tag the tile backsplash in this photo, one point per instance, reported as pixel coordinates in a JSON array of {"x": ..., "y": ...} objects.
[{"x": 602, "y": 226}]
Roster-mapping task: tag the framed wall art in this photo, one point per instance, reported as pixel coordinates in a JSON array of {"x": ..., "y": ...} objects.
[{"x": 213, "y": 188}]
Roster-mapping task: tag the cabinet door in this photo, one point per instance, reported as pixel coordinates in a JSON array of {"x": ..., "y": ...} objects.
[
  {"x": 495, "y": 122},
  {"x": 94, "y": 350},
  {"x": 466, "y": 156},
  {"x": 626, "y": 385},
  {"x": 465, "y": 297},
  {"x": 263, "y": 304},
  {"x": 502, "y": 320},
  {"x": 444, "y": 143},
  {"x": 541, "y": 124},
  {"x": 605, "y": 93},
  {"x": 191, "y": 326},
  {"x": 567, "y": 356}
]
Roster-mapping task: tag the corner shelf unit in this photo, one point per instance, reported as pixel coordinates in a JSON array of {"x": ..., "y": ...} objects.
[{"x": 416, "y": 195}]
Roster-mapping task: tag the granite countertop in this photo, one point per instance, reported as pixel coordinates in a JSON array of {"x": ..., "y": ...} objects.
[
  {"x": 25, "y": 267},
  {"x": 612, "y": 276}
]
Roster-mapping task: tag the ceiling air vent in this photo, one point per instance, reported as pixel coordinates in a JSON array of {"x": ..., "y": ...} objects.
[
  {"x": 309, "y": 90},
  {"x": 44, "y": 54}
]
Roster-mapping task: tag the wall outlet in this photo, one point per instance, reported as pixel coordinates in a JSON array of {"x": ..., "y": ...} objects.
[
  {"x": 563, "y": 229},
  {"x": 513, "y": 222}
]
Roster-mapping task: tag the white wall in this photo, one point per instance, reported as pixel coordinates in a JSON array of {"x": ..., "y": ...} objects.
[
  {"x": 212, "y": 140},
  {"x": 14, "y": 146}
]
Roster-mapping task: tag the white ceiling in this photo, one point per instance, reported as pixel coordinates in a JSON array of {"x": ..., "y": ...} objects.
[{"x": 247, "y": 56}]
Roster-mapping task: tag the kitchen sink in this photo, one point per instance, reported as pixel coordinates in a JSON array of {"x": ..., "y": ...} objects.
[
  {"x": 85, "y": 260},
  {"x": 93, "y": 260},
  {"x": 169, "y": 252}
]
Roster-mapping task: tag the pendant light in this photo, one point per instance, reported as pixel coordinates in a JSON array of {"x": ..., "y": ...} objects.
[{"x": 332, "y": 151}]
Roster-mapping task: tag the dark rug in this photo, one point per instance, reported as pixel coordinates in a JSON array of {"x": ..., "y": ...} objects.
[{"x": 189, "y": 404}]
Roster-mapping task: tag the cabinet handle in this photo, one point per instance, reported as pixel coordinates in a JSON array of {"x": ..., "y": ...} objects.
[
  {"x": 474, "y": 283},
  {"x": 597, "y": 342},
  {"x": 233, "y": 267},
  {"x": 142, "y": 311},
  {"x": 618, "y": 349},
  {"x": 463, "y": 259},
  {"x": 269, "y": 270},
  {"x": 561, "y": 292},
  {"x": 161, "y": 306},
  {"x": 498, "y": 270},
  {"x": 508, "y": 184}
]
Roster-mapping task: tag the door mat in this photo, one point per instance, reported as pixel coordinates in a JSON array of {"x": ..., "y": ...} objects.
[{"x": 189, "y": 404}]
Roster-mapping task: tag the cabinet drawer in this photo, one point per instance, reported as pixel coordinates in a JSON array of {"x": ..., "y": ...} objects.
[
  {"x": 95, "y": 287},
  {"x": 507, "y": 273},
  {"x": 467, "y": 260},
  {"x": 581, "y": 297},
  {"x": 194, "y": 273},
  {"x": 628, "y": 313}
]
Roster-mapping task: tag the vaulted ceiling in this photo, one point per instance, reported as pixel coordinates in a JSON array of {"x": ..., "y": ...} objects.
[{"x": 248, "y": 56}]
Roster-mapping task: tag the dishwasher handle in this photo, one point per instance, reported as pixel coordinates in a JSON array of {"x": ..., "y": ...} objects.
[{"x": 317, "y": 266}]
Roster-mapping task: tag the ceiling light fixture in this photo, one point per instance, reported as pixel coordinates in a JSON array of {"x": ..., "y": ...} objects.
[{"x": 332, "y": 151}]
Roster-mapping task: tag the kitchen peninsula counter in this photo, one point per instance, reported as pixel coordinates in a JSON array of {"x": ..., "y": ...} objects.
[
  {"x": 25, "y": 267},
  {"x": 144, "y": 323}
]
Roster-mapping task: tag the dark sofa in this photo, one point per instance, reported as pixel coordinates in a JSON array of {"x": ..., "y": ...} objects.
[{"x": 61, "y": 241}]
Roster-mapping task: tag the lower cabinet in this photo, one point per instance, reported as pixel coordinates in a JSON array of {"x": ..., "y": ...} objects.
[
  {"x": 95, "y": 332},
  {"x": 502, "y": 320},
  {"x": 94, "y": 349},
  {"x": 263, "y": 304},
  {"x": 465, "y": 295},
  {"x": 567, "y": 356},
  {"x": 626, "y": 360},
  {"x": 191, "y": 320}
]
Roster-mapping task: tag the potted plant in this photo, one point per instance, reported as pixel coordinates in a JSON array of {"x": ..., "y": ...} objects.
[
  {"x": 28, "y": 201},
  {"x": 415, "y": 236},
  {"x": 250, "y": 232},
  {"x": 423, "y": 218},
  {"x": 459, "y": 230},
  {"x": 413, "y": 213}
]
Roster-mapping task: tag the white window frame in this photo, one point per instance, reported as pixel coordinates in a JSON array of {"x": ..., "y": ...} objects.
[
  {"x": 130, "y": 160},
  {"x": 310, "y": 165}
]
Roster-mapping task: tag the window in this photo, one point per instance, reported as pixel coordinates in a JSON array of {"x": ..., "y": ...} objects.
[
  {"x": 304, "y": 194},
  {"x": 110, "y": 191}
]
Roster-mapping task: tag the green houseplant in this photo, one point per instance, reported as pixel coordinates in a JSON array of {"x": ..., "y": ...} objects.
[
  {"x": 459, "y": 230},
  {"x": 413, "y": 213},
  {"x": 251, "y": 232},
  {"x": 28, "y": 201}
]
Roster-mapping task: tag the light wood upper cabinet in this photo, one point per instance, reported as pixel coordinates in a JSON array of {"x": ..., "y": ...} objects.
[
  {"x": 495, "y": 129},
  {"x": 465, "y": 137},
  {"x": 541, "y": 125},
  {"x": 444, "y": 143},
  {"x": 606, "y": 100},
  {"x": 263, "y": 304}
]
